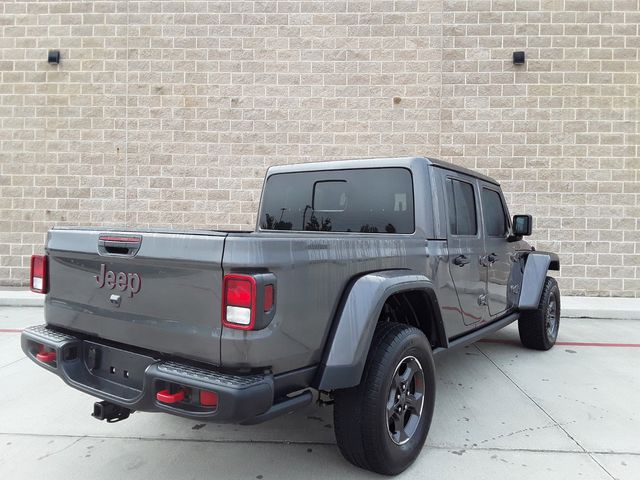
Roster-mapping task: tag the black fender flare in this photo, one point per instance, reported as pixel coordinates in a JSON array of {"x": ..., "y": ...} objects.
[
  {"x": 355, "y": 322},
  {"x": 535, "y": 272}
]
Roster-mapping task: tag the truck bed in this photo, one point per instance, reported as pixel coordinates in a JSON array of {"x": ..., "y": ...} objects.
[{"x": 177, "y": 309}]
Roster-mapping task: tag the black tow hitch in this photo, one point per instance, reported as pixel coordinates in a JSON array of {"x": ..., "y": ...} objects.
[{"x": 110, "y": 412}]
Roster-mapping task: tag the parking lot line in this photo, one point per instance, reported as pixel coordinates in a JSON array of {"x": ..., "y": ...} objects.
[{"x": 181, "y": 440}]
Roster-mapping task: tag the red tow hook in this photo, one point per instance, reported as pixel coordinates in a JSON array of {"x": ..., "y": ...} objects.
[
  {"x": 44, "y": 356},
  {"x": 164, "y": 396}
]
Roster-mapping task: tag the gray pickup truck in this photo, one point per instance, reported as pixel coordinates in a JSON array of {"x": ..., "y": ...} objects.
[{"x": 358, "y": 273}]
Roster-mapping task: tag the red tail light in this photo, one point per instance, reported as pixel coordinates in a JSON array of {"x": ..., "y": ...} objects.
[
  {"x": 240, "y": 291},
  {"x": 239, "y": 301},
  {"x": 39, "y": 278},
  {"x": 268, "y": 298}
]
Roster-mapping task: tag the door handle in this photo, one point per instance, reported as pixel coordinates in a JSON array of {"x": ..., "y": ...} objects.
[
  {"x": 488, "y": 260},
  {"x": 460, "y": 260}
]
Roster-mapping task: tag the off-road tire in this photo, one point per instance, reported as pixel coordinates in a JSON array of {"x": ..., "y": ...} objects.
[
  {"x": 534, "y": 325},
  {"x": 362, "y": 425}
]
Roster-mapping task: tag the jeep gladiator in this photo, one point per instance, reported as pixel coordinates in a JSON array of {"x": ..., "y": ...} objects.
[{"x": 357, "y": 274}]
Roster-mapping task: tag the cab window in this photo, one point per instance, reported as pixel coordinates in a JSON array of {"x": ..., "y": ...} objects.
[
  {"x": 368, "y": 200},
  {"x": 461, "y": 205},
  {"x": 493, "y": 214}
]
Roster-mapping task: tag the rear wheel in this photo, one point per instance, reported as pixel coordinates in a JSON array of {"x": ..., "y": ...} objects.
[
  {"x": 382, "y": 424},
  {"x": 539, "y": 328}
]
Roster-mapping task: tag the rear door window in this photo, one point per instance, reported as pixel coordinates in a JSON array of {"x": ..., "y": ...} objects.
[
  {"x": 373, "y": 200},
  {"x": 461, "y": 206}
]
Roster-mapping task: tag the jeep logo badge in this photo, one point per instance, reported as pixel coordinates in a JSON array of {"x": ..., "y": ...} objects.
[{"x": 125, "y": 282}]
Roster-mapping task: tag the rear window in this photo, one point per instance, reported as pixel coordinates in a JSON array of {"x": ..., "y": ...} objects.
[{"x": 372, "y": 200}]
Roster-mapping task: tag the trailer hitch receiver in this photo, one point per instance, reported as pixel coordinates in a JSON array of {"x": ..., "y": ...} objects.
[{"x": 110, "y": 412}]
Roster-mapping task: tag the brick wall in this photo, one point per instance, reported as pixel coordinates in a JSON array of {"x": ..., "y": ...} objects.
[{"x": 168, "y": 112}]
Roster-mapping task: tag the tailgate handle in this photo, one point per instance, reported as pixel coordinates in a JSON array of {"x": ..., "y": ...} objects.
[{"x": 127, "y": 245}]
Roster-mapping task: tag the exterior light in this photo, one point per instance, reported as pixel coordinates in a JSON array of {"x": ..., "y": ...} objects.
[{"x": 54, "y": 57}]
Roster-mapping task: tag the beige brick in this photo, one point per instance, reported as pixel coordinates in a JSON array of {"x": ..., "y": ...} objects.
[{"x": 216, "y": 91}]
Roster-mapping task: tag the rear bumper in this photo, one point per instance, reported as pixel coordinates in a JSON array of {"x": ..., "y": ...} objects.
[{"x": 132, "y": 380}]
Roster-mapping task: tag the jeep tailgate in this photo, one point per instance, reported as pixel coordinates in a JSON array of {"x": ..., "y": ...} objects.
[{"x": 159, "y": 290}]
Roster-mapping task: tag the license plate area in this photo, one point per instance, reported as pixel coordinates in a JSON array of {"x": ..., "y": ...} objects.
[{"x": 115, "y": 364}]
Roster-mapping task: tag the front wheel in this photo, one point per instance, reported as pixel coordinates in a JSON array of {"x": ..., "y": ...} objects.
[
  {"x": 382, "y": 424},
  {"x": 539, "y": 328}
]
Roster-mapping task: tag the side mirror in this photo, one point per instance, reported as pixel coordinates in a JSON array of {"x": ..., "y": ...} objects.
[{"x": 522, "y": 225}]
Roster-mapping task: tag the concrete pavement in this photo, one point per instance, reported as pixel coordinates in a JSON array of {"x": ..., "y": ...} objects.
[{"x": 502, "y": 412}]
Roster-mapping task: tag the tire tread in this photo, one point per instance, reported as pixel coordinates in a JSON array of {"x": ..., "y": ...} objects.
[
  {"x": 531, "y": 324},
  {"x": 357, "y": 438},
  {"x": 348, "y": 422}
]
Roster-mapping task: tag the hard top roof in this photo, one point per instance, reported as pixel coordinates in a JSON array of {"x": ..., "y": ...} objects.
[{"x": 406, "y": 162}]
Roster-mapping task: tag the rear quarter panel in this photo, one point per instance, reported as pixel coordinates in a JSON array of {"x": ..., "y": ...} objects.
[{"x": 312, "y": 273}]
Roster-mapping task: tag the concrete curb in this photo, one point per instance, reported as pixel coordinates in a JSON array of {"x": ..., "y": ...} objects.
[
  {"x": 601, "y": 307},
  {"x": 20, "y": 298},
  {"x": 572, "y": 307}
]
